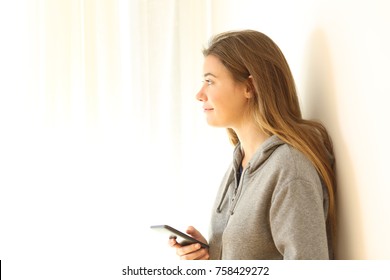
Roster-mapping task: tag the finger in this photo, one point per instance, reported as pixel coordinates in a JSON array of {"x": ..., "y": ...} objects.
[
  {"x": 195, "y": 234},
  {"x": 173, "y": 243},
  {"x": 184, "y": 250},
  {"x": 201, "y": 254},
  {"x": 192, "y": 231},
  {"x": 205, "y": 255}
]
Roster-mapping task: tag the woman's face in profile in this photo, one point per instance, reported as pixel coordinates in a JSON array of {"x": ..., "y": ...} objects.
[{"x": 224, "y": 99}]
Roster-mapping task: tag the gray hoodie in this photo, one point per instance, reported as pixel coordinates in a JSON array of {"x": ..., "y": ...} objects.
[{"x": 277, "y": 210}]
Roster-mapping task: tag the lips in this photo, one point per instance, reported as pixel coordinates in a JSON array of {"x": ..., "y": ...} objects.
[{"x": 207, "y": 109}]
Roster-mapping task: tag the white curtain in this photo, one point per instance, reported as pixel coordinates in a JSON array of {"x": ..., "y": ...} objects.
[{"x": 101, "y": 132}]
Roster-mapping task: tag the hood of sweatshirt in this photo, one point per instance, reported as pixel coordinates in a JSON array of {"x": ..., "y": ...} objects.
[{"x": 261, "y": 155}]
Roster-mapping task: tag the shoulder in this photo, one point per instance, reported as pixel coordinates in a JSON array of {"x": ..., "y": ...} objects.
[
  {"x": 288, "y": 169},
  {"x": 288, "y": 159},
  {"x": 292, "y": 158}
]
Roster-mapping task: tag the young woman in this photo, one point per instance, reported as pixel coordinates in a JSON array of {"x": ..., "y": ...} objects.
[{"x": 277, "y": 199}]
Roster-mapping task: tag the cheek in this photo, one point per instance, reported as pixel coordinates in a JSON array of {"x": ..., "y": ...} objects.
[
  {"x": 234, "y": 101},
  {"x": 228, "y": 99}
]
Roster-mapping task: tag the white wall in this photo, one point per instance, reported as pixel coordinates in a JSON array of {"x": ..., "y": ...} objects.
[{"x": 339, "y": 54}]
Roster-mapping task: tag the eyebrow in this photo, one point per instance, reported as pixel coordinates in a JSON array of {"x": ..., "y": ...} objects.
[{"x": 209, "y": 74}]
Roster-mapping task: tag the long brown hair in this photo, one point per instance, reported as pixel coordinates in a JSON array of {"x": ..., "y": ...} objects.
[{"x": 274, "y": 105}]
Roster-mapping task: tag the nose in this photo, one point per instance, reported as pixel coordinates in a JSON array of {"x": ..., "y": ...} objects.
[{"x": 201, "y": 96}]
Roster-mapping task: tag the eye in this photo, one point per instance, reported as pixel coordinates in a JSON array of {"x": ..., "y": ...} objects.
[{"x": 208, "y": 81}]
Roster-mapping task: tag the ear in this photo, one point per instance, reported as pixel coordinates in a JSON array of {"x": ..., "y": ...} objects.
[{"x": 250, "y": 90}]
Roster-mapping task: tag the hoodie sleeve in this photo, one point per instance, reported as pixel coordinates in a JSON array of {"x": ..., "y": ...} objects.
[{"x": 298, "y": 222}]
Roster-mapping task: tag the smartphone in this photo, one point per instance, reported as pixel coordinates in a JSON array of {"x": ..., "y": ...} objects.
[{"x": 181, "y": 237}]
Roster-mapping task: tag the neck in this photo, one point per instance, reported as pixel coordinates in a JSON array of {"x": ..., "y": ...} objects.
[{"x": 251, "y": 137}]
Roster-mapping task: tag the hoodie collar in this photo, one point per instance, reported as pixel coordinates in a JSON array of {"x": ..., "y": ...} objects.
[
  {"x": 260, "y": 156},
  {"x": 262, "y": 153}
]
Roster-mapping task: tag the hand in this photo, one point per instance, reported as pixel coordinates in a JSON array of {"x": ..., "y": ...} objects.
[{"x": 193, "y": 251}]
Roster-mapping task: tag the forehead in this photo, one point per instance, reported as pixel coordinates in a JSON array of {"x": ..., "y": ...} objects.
[{"x": 213, "y": 65}]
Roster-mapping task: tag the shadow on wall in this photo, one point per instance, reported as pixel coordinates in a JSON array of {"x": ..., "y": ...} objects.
[{"x": 321, "y": 103}]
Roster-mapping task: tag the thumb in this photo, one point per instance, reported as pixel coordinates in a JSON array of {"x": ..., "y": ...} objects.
[{"x": 196, "y": 234}]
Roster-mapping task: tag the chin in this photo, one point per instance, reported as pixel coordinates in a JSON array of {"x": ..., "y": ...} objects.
[{"x": 215, "y": 124}]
